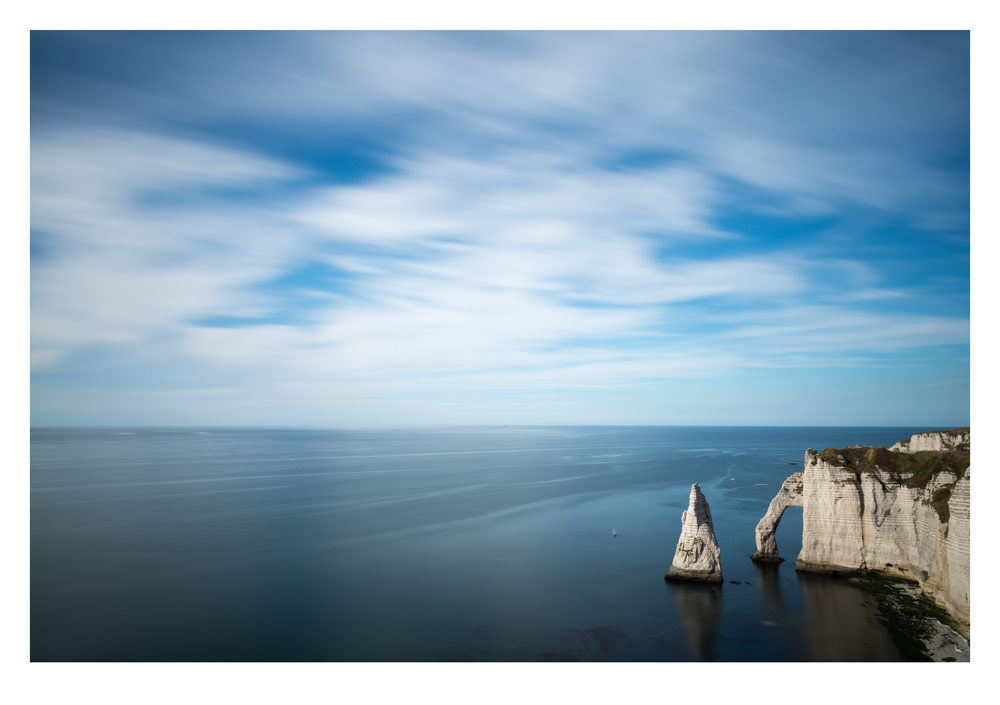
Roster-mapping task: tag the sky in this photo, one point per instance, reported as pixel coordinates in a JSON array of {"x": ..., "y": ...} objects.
[{"x": 411, "y": 228}]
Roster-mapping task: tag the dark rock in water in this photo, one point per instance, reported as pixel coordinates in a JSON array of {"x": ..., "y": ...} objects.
[{"x": 759, "y": 558}]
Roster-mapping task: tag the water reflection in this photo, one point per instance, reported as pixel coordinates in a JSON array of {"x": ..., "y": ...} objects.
[
  {"x": 841, "y": 622},
  {"x": 699, "y": 606},
  {"x": 780, "y": 615},
  {"x": 769, "y": 589}
]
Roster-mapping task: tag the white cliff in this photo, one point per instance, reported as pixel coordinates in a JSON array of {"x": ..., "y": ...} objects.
[
  {"x": 933, "y": 440},
  {"x": 697, "y": 557},
  {"x": 867, "y": 509}
]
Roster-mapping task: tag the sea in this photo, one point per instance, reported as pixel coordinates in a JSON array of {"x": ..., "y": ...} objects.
[{"x": 426, "y": 544}]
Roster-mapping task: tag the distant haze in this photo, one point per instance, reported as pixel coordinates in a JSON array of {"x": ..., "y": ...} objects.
[{"x": 366, "y": 228}]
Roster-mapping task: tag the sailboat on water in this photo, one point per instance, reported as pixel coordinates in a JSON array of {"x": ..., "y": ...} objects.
[{"x": 613, "y": 534}]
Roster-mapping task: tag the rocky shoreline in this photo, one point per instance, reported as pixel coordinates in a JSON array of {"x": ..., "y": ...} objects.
[{"x": 919, "y": 628}]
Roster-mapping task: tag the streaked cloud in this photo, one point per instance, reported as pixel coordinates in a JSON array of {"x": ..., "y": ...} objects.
[{"x": 392, "y": 216}]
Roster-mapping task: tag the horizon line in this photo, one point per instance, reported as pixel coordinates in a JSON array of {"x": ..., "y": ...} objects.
[{"x": 416, "y": 426}]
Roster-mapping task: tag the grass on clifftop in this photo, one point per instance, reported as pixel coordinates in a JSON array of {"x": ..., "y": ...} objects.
[
  {"x": 950, "y": 431},
  {"x": 918, "y": 468},
  {"x": 911, "y": 469}
]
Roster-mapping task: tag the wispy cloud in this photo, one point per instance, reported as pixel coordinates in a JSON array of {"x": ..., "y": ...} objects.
[
  {"x": 537, "y": 212},
  {"x": 117, "y": 269}
]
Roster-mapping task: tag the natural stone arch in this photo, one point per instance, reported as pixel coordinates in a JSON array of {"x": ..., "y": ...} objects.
[{"x": 790, "y": 495}]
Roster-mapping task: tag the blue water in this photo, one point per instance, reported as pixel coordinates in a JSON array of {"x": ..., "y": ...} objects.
[{"x": 446, "y": 544}]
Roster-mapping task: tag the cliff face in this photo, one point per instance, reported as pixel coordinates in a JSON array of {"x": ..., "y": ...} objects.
[
  {"x": 697, "y": 557},
  {"x": 934, "y": 440},
  {"x": 869, "y": 509}
]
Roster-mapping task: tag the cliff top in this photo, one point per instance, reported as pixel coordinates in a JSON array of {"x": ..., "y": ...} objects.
[
  {"x": 964, "y": 430},
  {"x": 950, "y": 431},
  {"x": 912, "y": 469},
  {"x": 909, "y": 469}
]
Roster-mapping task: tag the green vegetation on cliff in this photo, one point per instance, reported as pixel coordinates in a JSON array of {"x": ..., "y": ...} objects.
[{"x": 909, "y": 469}]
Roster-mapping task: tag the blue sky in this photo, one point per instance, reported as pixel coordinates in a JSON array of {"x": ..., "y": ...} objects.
[{"x": 356, "y": 228}]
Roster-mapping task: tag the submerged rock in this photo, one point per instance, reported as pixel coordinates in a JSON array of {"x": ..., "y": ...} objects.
[{"x": 697, "y": 555}]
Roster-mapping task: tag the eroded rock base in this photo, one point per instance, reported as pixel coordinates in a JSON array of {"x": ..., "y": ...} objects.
[
  {"x": 761, "y": 557},
  {"x": 694, "y": 576}
]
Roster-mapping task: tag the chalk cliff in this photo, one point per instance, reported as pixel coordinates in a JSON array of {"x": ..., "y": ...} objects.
[
  {"x": 933, "y": 440},
  {"x": 697, "y": 557},
  {"x": 870, "y": 509}
]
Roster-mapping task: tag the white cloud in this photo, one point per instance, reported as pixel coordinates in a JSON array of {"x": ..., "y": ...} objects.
[
  {"x": 510, "y": 272},
  {"x": 446, "y": 196},
  {"x": 116, "y": 271}
]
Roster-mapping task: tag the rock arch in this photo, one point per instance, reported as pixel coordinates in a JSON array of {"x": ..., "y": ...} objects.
[{"x": 790, "y": 495}]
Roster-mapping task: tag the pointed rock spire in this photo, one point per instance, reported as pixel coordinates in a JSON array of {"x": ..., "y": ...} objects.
[{"x": 697, "y": 555}]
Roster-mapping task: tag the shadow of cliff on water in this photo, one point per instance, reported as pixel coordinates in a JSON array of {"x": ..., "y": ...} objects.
[
  {"x": 842, "y": 622},
  {"x": 781, "y": 615},
  {"x": 769, "y": 589},
  {"x": 699, "y": 606}
]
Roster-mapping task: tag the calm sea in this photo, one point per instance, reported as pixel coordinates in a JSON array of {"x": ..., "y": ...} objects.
[{"x": 444, "y": 544}]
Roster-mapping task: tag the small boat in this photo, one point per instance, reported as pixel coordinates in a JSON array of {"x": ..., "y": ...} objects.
[
  {"x": 732, "y": 479},
  {"x": 613, "y": 534}
]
